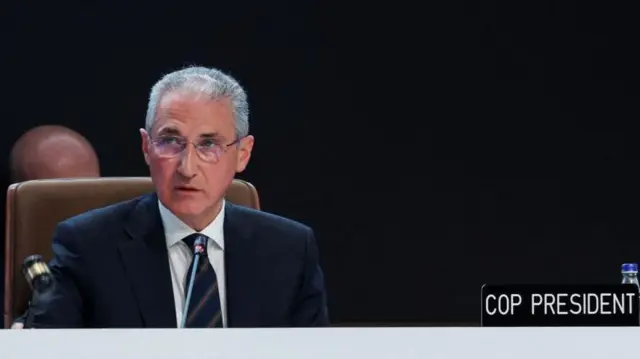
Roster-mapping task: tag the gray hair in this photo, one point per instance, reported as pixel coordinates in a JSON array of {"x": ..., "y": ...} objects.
[{"x": 210, "y": 82}]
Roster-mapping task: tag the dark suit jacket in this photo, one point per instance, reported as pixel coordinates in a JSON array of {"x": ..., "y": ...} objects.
[{"x": 112, "y": 271}]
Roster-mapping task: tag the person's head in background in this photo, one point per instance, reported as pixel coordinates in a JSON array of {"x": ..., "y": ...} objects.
[{"x": 52, "y": 151}]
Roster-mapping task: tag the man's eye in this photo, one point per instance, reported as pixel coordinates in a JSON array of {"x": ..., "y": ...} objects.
[
  {"x": 207, "y": 144},
  {"x": 168, "y": 140}
]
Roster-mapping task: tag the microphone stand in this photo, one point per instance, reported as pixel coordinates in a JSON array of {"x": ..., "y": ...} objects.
[
  {"x": 42, "y": 286},
  {"x": 199, "y": 248},
  {"x": 28, "y": 322}
]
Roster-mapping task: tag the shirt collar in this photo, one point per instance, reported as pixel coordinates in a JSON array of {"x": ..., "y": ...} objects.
[{"x": 175, "y": 230}]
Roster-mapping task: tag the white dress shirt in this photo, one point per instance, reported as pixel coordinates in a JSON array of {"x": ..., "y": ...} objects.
[{"x": 180, "y": 256}]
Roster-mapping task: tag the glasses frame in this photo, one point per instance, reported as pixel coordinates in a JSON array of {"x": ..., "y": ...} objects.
[{"x": 219, "y": 149}]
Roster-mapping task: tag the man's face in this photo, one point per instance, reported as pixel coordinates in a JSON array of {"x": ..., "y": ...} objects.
[{"x": 191, "y": 184}]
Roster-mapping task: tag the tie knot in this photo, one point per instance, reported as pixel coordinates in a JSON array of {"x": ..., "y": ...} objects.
[{"x": 197, "y": 242}]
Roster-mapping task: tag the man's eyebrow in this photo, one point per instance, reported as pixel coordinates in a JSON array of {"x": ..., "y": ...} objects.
[
  {"x": 212, "y": 135},
  {"x": 169, "y": 131}
]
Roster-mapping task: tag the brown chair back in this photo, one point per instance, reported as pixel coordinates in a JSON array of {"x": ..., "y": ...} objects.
[{"x": 34, "y": 208}]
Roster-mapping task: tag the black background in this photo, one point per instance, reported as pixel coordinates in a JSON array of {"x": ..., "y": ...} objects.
[{"x": 433, "y": 147}]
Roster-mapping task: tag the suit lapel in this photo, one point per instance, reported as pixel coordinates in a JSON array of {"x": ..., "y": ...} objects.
[
  {"x": 146, "y": 262},
  {"x": 241, "y": 270}
]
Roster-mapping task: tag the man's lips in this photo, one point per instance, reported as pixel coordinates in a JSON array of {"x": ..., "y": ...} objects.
[{"x": 187, "y": 188}]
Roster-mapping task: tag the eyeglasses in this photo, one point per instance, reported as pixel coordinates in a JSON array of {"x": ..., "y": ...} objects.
[{"x": 169, "y": 146}]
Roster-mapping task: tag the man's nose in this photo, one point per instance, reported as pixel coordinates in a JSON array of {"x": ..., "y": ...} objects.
[{"x": 187, "y": 165}]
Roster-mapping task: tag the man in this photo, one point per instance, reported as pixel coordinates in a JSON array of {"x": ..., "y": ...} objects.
[
  {"x": 130, "y": 264},
  {"x": 51, "y": 151}
]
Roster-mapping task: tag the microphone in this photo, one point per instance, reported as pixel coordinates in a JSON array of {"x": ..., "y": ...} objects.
[
  {"x": 199, "y": 247},
  {"x": 40, "y": 280}
]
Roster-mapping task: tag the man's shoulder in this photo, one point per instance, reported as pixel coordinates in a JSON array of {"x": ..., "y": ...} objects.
[
  {"x": 269, "y": 224},
  {"x": 104, "y": 218}
]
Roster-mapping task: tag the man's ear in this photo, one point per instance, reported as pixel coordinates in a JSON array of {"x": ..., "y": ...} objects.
[
  {"x": 145, "y": 144},
  {"x": 244, "y": 153}
]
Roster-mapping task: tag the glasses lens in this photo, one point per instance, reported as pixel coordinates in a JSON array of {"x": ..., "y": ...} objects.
[
  {"x": 168, "y": 146},
  {"x": 209, "y": 154}
]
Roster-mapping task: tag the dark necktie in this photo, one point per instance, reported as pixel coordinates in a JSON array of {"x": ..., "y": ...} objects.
[{"x": 204, "y": 307}]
